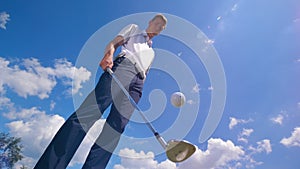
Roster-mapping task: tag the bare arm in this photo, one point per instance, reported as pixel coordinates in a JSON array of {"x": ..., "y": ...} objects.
[{"x": 107, "y": 60}]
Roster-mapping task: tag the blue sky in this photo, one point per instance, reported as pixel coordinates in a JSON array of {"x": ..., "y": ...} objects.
[{"x": 42, "y": 48}]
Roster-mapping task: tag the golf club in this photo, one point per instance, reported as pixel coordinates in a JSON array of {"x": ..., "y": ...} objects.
[{"x": 176, "y": 151}]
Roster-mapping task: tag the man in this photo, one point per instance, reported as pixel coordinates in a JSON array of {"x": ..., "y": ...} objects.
[{"x": 131, "y": 67}]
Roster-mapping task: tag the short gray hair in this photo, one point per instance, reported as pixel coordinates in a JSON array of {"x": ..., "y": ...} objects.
[{"x": 160, "y": 16}]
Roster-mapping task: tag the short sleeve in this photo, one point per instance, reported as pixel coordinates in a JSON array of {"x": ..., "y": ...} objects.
[{"x": 128, "y": 31}]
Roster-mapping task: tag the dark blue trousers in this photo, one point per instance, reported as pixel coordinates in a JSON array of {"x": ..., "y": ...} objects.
[{"x": 60, "y": 151}]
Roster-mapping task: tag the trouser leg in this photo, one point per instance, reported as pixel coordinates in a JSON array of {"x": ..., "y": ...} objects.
[
  {"x": 66, "y": 141},
  {"x": 120, "y": 113}
]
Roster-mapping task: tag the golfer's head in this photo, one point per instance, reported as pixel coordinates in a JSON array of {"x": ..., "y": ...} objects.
[{"x": 157, "y": 24}]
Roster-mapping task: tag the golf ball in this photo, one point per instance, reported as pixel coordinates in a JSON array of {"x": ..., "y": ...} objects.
[{"x": 177, "y": 99}]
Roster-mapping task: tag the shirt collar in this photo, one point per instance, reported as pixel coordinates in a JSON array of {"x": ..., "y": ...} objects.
[
  {"x": 143, "y": 32},
  {"x": 148, "y": 40}
]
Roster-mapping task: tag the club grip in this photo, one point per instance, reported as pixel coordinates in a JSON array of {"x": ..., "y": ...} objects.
[{"x": 109, "y": 71}]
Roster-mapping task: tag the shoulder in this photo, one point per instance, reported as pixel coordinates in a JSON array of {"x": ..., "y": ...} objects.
[
  {"x": 131, "y": 27},
  {"x": 129, "y": 30}
]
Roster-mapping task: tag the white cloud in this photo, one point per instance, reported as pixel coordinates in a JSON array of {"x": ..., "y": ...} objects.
[
  {"x": 5, "y": 103},
  {"x": 34, "y": 123},
  {"x": 278, "y": 119},
  {"x": 234, "y": 8},
  {"x": 179, "y": 54},
  {"x": 209, "y": 41},
  {"x": 235, "y": 121},
  {"x": 130, "y": 159},
  {"x": 264, "y": 145},
  {"x": 4, "y": 18},
  {"x": 252, "y": 163},
  {"x": 293, "y": 140},
  {"x": 247, "y": 132},
  {"x": 207, "y": 45},
  {"x": 34, "y": 80},
  {"x": 244, "y": 135},
  {"x": 37, "y": 80},
  {"x": 52, "y": 105},
  {"x": 23, "y": 114},
  {"x": 219, "y": 154},
  {"x": 166, "y": 165},
  {"x": 26, "y": 161},
  {"x": 190, "y": 102},
  {"x": 196, "y": 88},
  {"x": 71, "y": 75}
]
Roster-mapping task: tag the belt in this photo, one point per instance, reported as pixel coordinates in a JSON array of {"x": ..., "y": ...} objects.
[{"x": 122, "y": 54}]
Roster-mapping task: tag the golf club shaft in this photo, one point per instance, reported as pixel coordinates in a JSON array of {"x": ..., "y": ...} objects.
[{"x": 158, "y": 137}]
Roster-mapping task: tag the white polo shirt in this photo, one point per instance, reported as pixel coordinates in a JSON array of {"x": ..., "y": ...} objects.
[{"x": 137, "y": 47}]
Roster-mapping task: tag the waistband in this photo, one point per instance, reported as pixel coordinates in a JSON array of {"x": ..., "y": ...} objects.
[
  {"x": 120, "y": 57},
  {"x": 140, "y": 72}
]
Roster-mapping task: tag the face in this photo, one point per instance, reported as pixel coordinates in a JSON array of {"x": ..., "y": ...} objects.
[{"x": 156, "y": 26}]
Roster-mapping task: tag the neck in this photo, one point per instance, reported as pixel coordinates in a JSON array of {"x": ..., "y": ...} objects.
[{"x": 151, "y": 35}]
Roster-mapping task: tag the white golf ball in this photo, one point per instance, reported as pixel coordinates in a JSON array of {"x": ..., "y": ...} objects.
[{"x": 177, "y": 99}]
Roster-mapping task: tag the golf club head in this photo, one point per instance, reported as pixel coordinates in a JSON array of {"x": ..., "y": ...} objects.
[{"x": 178, "y": 151}]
